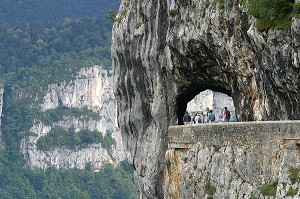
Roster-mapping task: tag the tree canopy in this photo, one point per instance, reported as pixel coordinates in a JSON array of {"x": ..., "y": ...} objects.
[
  {"x": 12, "y": 11},
  {"x": 40, "y": 53},
  {"x": 44, "y": 42},
  {"x": 273, "y": 13}
]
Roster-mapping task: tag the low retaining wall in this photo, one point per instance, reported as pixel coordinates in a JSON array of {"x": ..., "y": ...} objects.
[
  {"x": 238, "y": 133},
  {"x": 234, "y": 159}
]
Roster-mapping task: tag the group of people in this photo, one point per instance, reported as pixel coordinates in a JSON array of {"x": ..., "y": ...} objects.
[{"x": 202, "y": 118}]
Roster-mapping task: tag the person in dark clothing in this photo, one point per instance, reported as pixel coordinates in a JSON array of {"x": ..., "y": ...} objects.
[
  {"x": 187, "y": 118},
  {"x": 226, "y": 115}
]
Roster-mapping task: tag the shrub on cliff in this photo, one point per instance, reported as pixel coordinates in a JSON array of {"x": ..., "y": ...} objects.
[
  {"x": 271, "y": 13},
  {"x": 296, "y": 8},
  {"x": 269, "y": 189},
  {"x": 59, "y": 137},
  {"x": 184, "y": 2},
  {"x": 294, "y": 174}
]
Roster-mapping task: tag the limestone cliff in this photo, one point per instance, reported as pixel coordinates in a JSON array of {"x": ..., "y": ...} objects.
[
  {"x": 92, "y": 89},
  {"x": 166, "y": 52}
]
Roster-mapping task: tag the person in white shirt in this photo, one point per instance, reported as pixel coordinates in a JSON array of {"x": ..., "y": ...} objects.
[{"x": 198, "y": 119}]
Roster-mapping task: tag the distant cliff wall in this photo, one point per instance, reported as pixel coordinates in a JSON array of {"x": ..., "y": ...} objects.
[{"x": 92, "y": 90}]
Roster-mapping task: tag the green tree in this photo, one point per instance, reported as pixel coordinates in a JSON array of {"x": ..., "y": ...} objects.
[{"x": 271, "y": 13}]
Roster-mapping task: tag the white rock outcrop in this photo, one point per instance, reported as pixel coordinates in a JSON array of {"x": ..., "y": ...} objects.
[{"x": 92, "y": 89}]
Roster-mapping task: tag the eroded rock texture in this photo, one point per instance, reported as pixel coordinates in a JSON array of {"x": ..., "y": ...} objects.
[{"x": 166, "y": 52}]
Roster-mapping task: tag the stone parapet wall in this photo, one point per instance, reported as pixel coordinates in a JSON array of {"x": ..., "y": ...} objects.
[
  {"x": 238, "y": 133},
  {"x": 236, "y": 160}
]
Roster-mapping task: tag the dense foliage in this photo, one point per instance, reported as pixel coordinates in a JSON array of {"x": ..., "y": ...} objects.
[
  {"x": 42, "y": 53},
  {"x": 54, "y": 115},
  {"x": 59, "y": 137},
  {"x": 43, "y": 10},
  {"x": 34, "y": 53},
  {"x": 17, "y": 119},
  {"x": 19, "y": 182},
  {"x": 273, "y": 13}
]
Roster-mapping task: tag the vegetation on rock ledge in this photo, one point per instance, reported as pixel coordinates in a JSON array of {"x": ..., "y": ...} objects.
[
  {"x": 274, "y": 13},
  {"x": 294, "y": 174},
  {"x": 269, "y": 189},
  {"x": 210, "y": 190},
  {"x": 59, "y": 137}
]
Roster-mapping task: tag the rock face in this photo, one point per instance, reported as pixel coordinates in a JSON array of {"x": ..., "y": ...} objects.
[
  {"x": 92, "y": 90},
  {"x": 1, "y": 105},
  {"x": 166, "y": 52}
]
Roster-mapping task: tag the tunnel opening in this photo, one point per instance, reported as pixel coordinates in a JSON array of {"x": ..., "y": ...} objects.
[{"x": 197, "y": 100}]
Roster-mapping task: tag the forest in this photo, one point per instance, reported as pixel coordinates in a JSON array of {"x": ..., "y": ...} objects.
[
  {"x": 12, "y": 11},
  {"x": 19, "y": 182},
  {"x": 50, "y": 52},
  {"x": 45, "y": 42},
  {"x": 273, "y": 13}
]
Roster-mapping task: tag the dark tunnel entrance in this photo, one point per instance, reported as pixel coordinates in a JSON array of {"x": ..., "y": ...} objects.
[{"x": 197, "y": 100}]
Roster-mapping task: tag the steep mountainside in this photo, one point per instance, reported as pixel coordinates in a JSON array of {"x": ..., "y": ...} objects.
[
  {"x": 91, "y": 90},
  {"x": 57, "y": 108},
  {"x": 166, "y": 52}
]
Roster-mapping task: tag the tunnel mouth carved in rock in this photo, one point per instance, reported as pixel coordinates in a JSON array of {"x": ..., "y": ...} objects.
[{"x": 219, "y": 97}]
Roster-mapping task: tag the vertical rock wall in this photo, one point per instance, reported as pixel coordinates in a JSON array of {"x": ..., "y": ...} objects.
[
  {"x": 92, "y": 89},
  {"x": 143, "y": 88}
]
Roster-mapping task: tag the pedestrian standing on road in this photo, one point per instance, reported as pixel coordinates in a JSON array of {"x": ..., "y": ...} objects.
[
  {"x": 226, "y": 114},
  {"x": 202, "y": 117},
  {"x": 198, "y": 119},
  {"x": 205, "y": 115},
  {"x": 186, "y": 118},
  {"x": 211, "y": 117}
]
